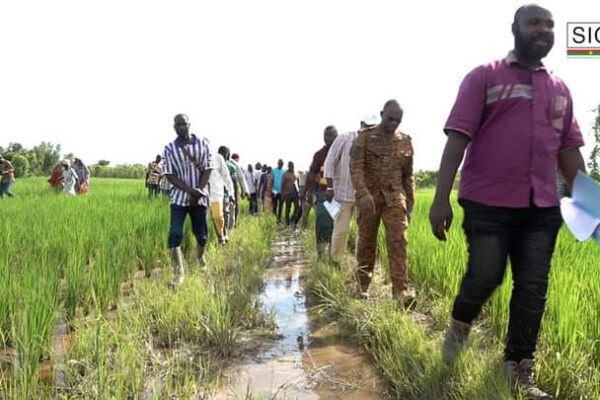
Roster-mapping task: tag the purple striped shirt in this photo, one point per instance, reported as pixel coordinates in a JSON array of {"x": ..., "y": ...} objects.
[
  {"x": 180, "y": 165},
  {"x": 518, "y": 120}
]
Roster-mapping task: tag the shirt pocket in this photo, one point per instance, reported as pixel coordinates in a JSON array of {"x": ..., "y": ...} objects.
[{"x": 557, "y": 112}]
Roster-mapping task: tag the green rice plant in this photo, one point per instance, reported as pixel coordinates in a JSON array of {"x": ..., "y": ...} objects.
[{"x": 568, "y": 361}]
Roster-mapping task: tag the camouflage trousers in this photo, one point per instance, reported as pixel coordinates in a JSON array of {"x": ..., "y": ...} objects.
[{"x": 395, "y": 220}]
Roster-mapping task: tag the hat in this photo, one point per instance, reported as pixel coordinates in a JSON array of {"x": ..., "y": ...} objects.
[
  {"x": 235, "y": 156},
  {"x": 66, "y": 162},
  {"x": 370, "y": 120}
]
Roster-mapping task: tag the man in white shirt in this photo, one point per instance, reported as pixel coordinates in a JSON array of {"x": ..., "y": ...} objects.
[
  {"x": 220, "y": 179},
  {"x": 340, "y": 188}
]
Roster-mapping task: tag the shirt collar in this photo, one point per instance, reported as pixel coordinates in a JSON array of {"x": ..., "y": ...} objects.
[
  {"x": 193, "y": 139},
  {"x": 511, "y": 59}
]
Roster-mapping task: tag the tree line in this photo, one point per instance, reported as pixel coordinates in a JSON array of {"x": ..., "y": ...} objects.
[{"x": 41, "y": 159}]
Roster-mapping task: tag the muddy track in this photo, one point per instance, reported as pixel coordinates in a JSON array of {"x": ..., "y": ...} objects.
[{"x": 308, "y": 359}]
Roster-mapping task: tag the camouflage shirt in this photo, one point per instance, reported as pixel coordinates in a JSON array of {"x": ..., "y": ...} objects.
[{"x": 382, "y": 164}]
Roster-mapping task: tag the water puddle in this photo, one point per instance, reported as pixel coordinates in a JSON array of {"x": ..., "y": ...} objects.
[{"x": 308, "y": 360}]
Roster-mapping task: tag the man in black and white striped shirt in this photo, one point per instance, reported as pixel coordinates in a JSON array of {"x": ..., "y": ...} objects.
[{"x": 188, "y": 163}]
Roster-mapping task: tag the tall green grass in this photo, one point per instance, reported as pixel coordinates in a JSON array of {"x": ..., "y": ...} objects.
[
  {"x": 62, "y": 255},
  {"x": 568, "y": 354}
]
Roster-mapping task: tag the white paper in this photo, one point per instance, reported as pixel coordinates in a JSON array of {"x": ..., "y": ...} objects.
[
  {"x": 333, "y": 208},
  {"x": 581, "y": 213}
]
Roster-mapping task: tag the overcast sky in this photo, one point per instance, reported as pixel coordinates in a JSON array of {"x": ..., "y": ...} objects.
[{"x": 105, "y": 78}]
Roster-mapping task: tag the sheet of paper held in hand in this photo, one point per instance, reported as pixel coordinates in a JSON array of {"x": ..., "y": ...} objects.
[
  {"x": 581, "y": 212},
  {"x": 333, "y": 208}
]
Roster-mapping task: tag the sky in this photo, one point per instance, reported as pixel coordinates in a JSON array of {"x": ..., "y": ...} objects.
[{"x": 264, "y": 77}]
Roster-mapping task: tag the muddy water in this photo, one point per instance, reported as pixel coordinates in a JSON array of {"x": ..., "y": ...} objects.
[{"x": 308, "y": 360}]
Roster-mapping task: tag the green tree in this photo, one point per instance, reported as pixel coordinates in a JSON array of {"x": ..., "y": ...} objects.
[
  {"x": 594, "y": 160},
  {"x": 46, "y": 156},
  {"x": 103, "y": 163},
  {"x": 21, "y": 165}
]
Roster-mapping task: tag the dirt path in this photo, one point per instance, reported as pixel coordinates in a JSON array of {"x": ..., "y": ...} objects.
[{"x": 308, "y": 360}]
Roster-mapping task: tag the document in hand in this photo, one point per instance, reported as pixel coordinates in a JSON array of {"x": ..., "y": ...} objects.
[
  {"x": 333, "y": 208},
  {"x": 581, "y": 212}
]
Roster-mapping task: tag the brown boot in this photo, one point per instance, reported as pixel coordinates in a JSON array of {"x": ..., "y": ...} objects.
[
  {"x": 455, "y": 340},
  {"x": 177, "y": 267},
  {"x": 521, "y": 377},
  {"x": 201, "y": 258}
]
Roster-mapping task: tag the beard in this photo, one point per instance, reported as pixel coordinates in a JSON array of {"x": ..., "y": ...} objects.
[{"x": 531, "y": 51}]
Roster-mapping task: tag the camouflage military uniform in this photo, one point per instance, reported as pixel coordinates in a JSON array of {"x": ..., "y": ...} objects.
[{"x": 381, "y": 165}]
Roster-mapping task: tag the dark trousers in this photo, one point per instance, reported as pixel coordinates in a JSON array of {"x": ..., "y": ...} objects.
[
  {"x": 198, "y": 217},
  {"x": 527, "y": 237},
  {"x": 293, "y": 218},
  {"x": 153, "y": 190},
  {"x": 324, "y": 222},
  {"x": 253, "y": 203},
  {"x": 5, "y": 189},
  {"x": 277, "y": 206}
]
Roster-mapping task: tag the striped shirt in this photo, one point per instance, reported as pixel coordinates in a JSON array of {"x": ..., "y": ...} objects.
[
  {"x": 184, "y": 167},
  {"x": 337, "y": 167}
]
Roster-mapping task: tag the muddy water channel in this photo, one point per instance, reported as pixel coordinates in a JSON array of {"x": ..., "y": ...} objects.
[{"x": 308, "y": 359}]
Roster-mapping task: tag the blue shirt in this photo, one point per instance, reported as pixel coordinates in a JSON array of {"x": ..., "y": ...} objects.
[{"x": 277, "y": 179}]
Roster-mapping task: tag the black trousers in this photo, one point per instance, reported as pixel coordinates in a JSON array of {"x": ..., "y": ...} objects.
[{"x": 527, "y": 237}]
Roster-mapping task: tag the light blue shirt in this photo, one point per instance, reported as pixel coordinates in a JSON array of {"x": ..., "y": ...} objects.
[{"x": 277, "y": 179}]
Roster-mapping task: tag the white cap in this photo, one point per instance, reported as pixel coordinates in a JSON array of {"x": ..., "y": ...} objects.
[{"x": 370, "y": 120}]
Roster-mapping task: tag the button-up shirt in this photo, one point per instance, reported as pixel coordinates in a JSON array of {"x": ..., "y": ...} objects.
[
  {"x": 381, "y": 165},
  {"x": 220, "y": 179},
  {"x": 337, "y": 167},
  {"x": 188, "y": 169},
  {"x": 518, "y": 120}
]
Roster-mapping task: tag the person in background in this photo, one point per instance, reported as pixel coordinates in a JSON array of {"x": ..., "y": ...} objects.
[
  {"x": 188, "y": 165},
  {"x": 228, "y": 197},
  {"x": 277, "y": 181},
  {"x": 257, "y": 175},
  {"x": 164, "y": 184},
  {"x": 241, "y": 188},
  {"x": 381, "y": 168},
  {"x": 289, "y": 194},
  {"x": 83, "y": 172},
  {"x": 69, "y": 178},
  {"x": 219, "y": 183},
  {"x": 316, "y": 185},
  {"x": 252, "y": 187},
  {"x": 268, "y": 190},
  {"x": 339, "y": 187},
  {"x": 153, "y": 177},
  {"x": 514, "y": 118},
  {"x": 55, "y": 179},
  {"x": 7, "y": 177}
]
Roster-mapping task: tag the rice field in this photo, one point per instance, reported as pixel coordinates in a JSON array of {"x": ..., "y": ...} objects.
[
  {"x": 100, "y": 263},
  {"x": 95, "y": 262},
  {"x": 407, "y": 348}
]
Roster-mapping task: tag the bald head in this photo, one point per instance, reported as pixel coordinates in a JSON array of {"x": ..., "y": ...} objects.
[
  {"x": 182, "y": 126},
  {"x": 524, "y": 9},
  {"x": 391, "y": 116}
]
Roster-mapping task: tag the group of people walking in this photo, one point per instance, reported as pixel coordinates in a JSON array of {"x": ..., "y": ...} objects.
[
  {"x": 70, "y": 178},
  {"x": 513, "y": 124}
]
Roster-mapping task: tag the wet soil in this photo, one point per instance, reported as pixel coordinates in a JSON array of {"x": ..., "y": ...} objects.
[{"x": 308, "y": 359}]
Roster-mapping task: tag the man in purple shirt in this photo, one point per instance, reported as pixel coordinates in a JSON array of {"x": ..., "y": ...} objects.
[{"x": 515, "y": 120}]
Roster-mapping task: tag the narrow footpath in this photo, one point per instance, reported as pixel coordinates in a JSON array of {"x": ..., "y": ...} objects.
[{"x": 308, "y": 359}]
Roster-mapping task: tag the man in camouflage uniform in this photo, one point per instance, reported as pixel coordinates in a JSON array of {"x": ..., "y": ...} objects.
[{"x": 381, "y": 167}]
